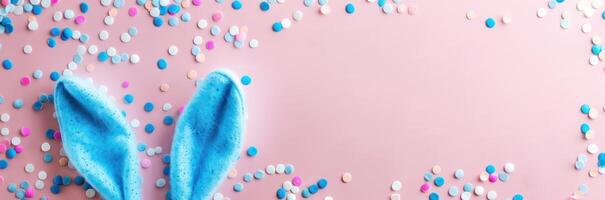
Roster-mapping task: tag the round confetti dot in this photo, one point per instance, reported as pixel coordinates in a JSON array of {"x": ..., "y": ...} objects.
[
  {"x": 264, "y": 6},
  {"x": 162, "y": 64},
  {"x": 346, "y": 177},
  {"x": 145, "y": 163},
  {"x": 396, "y": 186},
  {"x": 238, "y": 187},
  {"x": 490, "y": 22},
  {"x": 252, "y": 151},
  {"x": 509, "y": 167},
  {"x": 350, "y": 8}
]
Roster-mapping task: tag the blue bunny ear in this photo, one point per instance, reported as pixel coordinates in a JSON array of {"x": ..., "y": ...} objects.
[
  {"x": 97, "y": 139},
  {"x": 208, "y": 137}
]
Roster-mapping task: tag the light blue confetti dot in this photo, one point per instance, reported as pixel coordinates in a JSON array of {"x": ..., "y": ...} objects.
[
  {"x": 322, "y": 2},
  {"x": 503, "y": 176},
  {"x": 186, "y": 17},
  {"x": 196, "y": 50},
  {"x": 468, "y": 187},
  {"x": 37, "y": 74},
  {"x": 18, "y": 104},
  {"x": 247, "y": 177},
  {"x": 309, "y": 3},
  {"x": 133, "y": 31},
  {"x": 238, "y": 187},
  {"x": 173, "y": 21},
  {"x": 228, "y": 37},
  {"x": 453, "y": 191},
  {"x": 215, "y": 30},
  {"x": 259, "y": 174},
  {"x": 428, "y": 176}
]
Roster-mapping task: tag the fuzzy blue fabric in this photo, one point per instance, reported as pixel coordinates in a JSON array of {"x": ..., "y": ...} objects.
[
  {"x": 97, "y": 139},
  {"x": 207, "y": 138}
]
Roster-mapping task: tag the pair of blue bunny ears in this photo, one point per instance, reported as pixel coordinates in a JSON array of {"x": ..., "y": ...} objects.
[{"x": 101, "y": 146}]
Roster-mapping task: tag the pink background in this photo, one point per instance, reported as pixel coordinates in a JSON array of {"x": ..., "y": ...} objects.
[{"x": 384, "y": 97}]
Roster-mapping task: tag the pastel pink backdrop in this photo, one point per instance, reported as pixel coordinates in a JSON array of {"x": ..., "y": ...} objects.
[{"x": 384, "y": 97}]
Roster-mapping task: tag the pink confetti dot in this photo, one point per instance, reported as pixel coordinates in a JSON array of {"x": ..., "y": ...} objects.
[
  {"x": 297, "y": 181},
  {"x": 241, "y": 36},
  {"x": 493, "y": 178},
  {"x": 80, "y": 19},
  {"x": 425, "y": 187},
  {"x": 29, "y": 192},
  {"x": 210, "y": 45},
  {"x": 4, "y": 2},
  {"x": 125, "y": 84},
  {"x": 53, "y": 2},
  {"x": 19, "y": 148},
  {"x": 196, "y": 2},
  {"x": 25, "y": 131},
  {"x": 3, "y": 148},
  {"x": 24, "y": 81},
  {"x": 132, "y": 11},
  {"x": 145, "y": 163},
  {"x": 217, "y": 16}
]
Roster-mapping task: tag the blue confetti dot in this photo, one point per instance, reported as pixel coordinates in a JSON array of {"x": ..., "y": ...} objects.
[
  {"x": 236, "y": 5},
  {"x": 3, "y": 164},
  {"x": 518, "y": 197},
  {"x": 173, "y": 9},
  {"x": 55, "y": 31},
  {"x": 585, "y": 108},
  {"x": 58, "y": 180},
  {"x": 166, "y": 159},
  {"x": 54, "y": 76},
  {"x": 162, "y": 64},
  {"x": 149, "y": 128},
  {"x": 350, "y": 8},
  {"x": 252, "y": 151},
  {"x": 490, "y": 169},
  {"x": 439, "y": 181},
  {"x": 103, "y": 56},
  {"x": 66, "y": 180},
  {"x": 264, "y": 6},
  {"x": 37, "y": 9},
  {"x": 281, "y": 193},
  {"x": 490, "y": 22},
  {"x": 141, "y": 147},
  {"x": 246, "y": 80},
  {"x": 434, "y": 196},
  {"x": 7, "y": 64},
  {"x": 596, "y": 49},
  {"x": 148, "y": 107},
  {"x": 128, "y": 98},
  {"x": 168, "y": 120},
  {"x": 381, "y": 3},
  {"x": 84, "y": 7},
  {"x": 51, "y": 43},
  {"x": 277, "y": 27},
  {"x": 11, "y": 153},
  {"x": 79, "y": 180},
  {"x": 55, "y": 189},
  {"x": 322, "y": 183},
  {"x": 305, "y": 193},
  {"x": 157, "y": 21},
  {"x": 584, "y": 128},
  {"x": 313, "y": 189},
  {"x": 47, "y": 158}
]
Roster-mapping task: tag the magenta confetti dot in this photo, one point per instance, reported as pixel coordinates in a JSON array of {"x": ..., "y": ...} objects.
[
  {"x": 57, "y": 135},
  {"x": 25, "y": 81},
  {"x": 29, "y": 192},
  {"x": 425, "y": 187},
  {"x": 80, "y": 19},
  {"x": 493, "y": 178},
  {"x": 53, "y": 2},
  {"x": 297, "y": 181},
  {"x": 196, "y": 2},
  {"x": 132, "y": 11},
  {"x": 19, "y": 148},
  {"x": 181, "y": 109},
  {"x": 210, "y": 45},
  {"x": 25, "y": 131},
  {"x": 125, "y": 84}
]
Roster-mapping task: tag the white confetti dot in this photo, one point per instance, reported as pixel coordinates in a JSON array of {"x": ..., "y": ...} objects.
[{"x": 45, "y": 147}]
